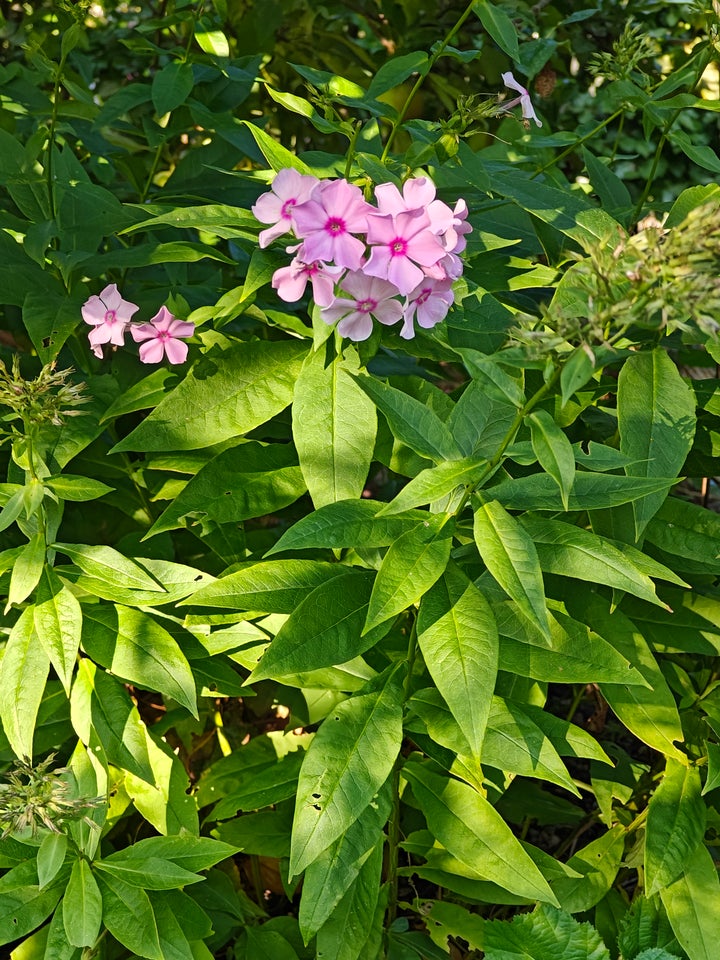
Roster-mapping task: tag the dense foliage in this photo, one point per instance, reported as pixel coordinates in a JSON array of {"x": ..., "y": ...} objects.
[{"x": 360, "y": 598}]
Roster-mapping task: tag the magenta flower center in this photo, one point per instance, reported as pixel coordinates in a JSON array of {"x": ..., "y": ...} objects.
[
  {"x": 312, "y": 268},
  {"x": 335, "y": 226},
  {"x": 110, "y": 317},
  {"x": 288, "y": 205},
  {"x": 424, "y": 294},
  {"x": 163, "y": 335},
  {"x": 398, "y": 247},
  {"x": 367, "y": 305}
]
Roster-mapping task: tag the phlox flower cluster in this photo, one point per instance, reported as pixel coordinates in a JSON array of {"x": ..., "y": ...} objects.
[
  {"x": 393, "y": 261},
  {"x": 111, "y": 317}
]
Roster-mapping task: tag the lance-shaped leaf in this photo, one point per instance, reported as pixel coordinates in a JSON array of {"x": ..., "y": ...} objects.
[
  {"x": 82, "y": 906},
  {"x": 409, "y": 568},
  {"x": 276, "y": 586},
  {"x": 345, "y": 932},
  {"x": 511, "y": 557},
  {"x": 23, "y": 904},
  {"x": 134, "y": 646},
  {"x": 692, "y": 903},
  {"x": 324, "y": 630},
  {"x": 58, "y": 623},
  {"x": 436, "y": 482},
  {"x": 334, "y": 427},
  {"x": 347, "y": 524},
  {"x": 23, "y": 671},
  {"x": 496, "y": 384},
  {"x": 224, "y": 395},
  {"x": 51, "y": 856},
  {"x": 411, "y": 421},
  {"x": 128, "y": 915},
  {"x": 590, "y": 491},
  {"x": 573, "y": 552},
  {"x": 329, "y": 878},
  {"x": 473, "y": 831},
  {"x": 109, "y": 566},
  {"x": 656, "y": 420},
  {"x": 27, "y": 570},
  {"x": 191, "y": 853},
  {"x": 554, "y": 452},
  {"x": 500, "y": 27},
  {"x": 349, "y": 760},
  {"x": 458, "y": 638},
  {"x": 598, "y": 863},
  {"x": 675, "y": 825}
]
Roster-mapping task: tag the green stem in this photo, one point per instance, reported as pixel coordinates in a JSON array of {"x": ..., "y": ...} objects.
[
  {"x": 394, "y": 828},
  {"x": 49, "y": 164},
  {"x": 351, "y": 150},
  {"x": 397, "y": 123},
  {"x": 578, "y": 143}
]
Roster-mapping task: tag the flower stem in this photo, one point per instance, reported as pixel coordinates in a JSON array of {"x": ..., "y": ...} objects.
[
  {"x": 397, "y": 123},
  {"x": 578, "y": 143}
]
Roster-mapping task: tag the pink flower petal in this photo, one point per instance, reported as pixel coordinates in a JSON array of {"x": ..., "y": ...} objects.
[
  {"x": 152, "y": 351},
  {"x": 176, "y": 351}
]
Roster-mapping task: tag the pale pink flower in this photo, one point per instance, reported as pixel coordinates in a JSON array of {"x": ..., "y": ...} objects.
[
  {"x": 326, "y": 224},
  {"x": 288, "y": 189},
  {"x": 369, "y": 297},
  {"x": 417, "y": 194},
  {"x": 110, "y": 315},
  {"x": 403, "y": 248},
  {"x": 428, "y": 304},
  {"x": 290, "y": 282},
  {"x": 160, "y": 337},
  {"x": 528, "y": 111}
]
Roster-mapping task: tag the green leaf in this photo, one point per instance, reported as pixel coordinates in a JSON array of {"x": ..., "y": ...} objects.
[
  {"x": 645, "y": 927},
  {"x": 472, "y": 830},
  {"x": 166, "y": 802},
  {"x": 324, "y": 630},
  {"x": 58, "y": 622},
  {"x": 147, "y": 393},
  {"x": 349, "y": 759},
  {"x": 105, "y": 718},
  {"x": 150, "y": 873},
  {"x": 224, "y": 395},
  {"x": 608, "y": 186},
  {"x": 23, "y": 904},
  {"x": 436, "y": 482},
  {"x": 684, "y": 529},
  {"x": 649, "y": 712},
  {"x": 500, "y": 27},
  {"x": 598, "y": 863},
  {"x": 277, "y": 156},
  {"x": 409, "y": 568},
  {"x": 79, "y": 489},
  {"x": 334, "y": 427},
  {"x": 191, "y": 853},
  {"x": 675, "y": 825},
  {"x": 395, "y": 71},
  {"x": 50, "y": 857},
  {"x": 411, "y": 421},
  {"x": 576, "y": 372},
  {"x": 23, "y": 671},
  {"x": 544, "y": 933},
  {"x": 554, "y": 451},
  {"x": 128, "y": 915},
  {"x": 656, "y": 420},
  {"x": 511, "y": 557},
  {"x": 106, "y": 564},
  {"x": 133, "y": 646},
  {"x": 458, "y": 638},
  {"x": 344, "y": 933},
  {"x": 591, "y": 491},
  {"x": 693, "y": 906},
  {"x": 573, "y": 552},
  {"x": 347, "y": 524},
  {"x": 270, "y": 785},
  {"x": 329, "y": 878},
  {"x": 27, "y": 570},
  {"x": 496, "y": 384},
  {"x": 171, "y": 86},
  {"x": 82, "y": 906}
]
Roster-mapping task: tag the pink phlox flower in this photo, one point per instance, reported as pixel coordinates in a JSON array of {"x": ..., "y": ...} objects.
[
  {"x": 288, "y": 189},
  {"x": 161, "y": 336},
  {"x": 110, "y": 316},
  {"x": 528, "y": 111},
  {"x": 454, "y": 239},
  {"x": 403, "y": 247},
  {"x": 369, "y": 297},
  {"x": 326, "y": 224},
  {"x": 290, "y": 281},
  {"x": 428, "y": 304},
  {"x": 417, "y": 194}
]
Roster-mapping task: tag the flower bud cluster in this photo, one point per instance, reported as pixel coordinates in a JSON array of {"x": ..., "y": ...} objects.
[
  {"x": 46, "y": 399},
  {"x": 110, "y": 317},
  {"x": 360, "y": 258}
]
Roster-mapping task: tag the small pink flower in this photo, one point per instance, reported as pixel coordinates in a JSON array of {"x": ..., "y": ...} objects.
[
  {"x": 326, "y": 224},
  {"x": 161, "y": 336},
  {"x": 110, "y": 316},
  {"x": 402, "y": 244},
  {"x": 428, "y": 303},
  {"x": 370, "y": 297},
  {"x": 290, "y": 282},
  {"x": 528, "y": 111},
  {"x": 417, "y": 194},
  {"x": 288, "y": 189}
]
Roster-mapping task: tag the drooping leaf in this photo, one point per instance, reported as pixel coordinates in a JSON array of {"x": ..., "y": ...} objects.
[
  {"x": 344, "y": 933},
  {"x": 500, "y": 27},
  {"x": 82, "y": 906},
  {"x": 554, "y": 451},
  {"x": 23, "y": 672},
  {"x": 693, "y": 906},
  {"x": 675, "y": 825}
]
